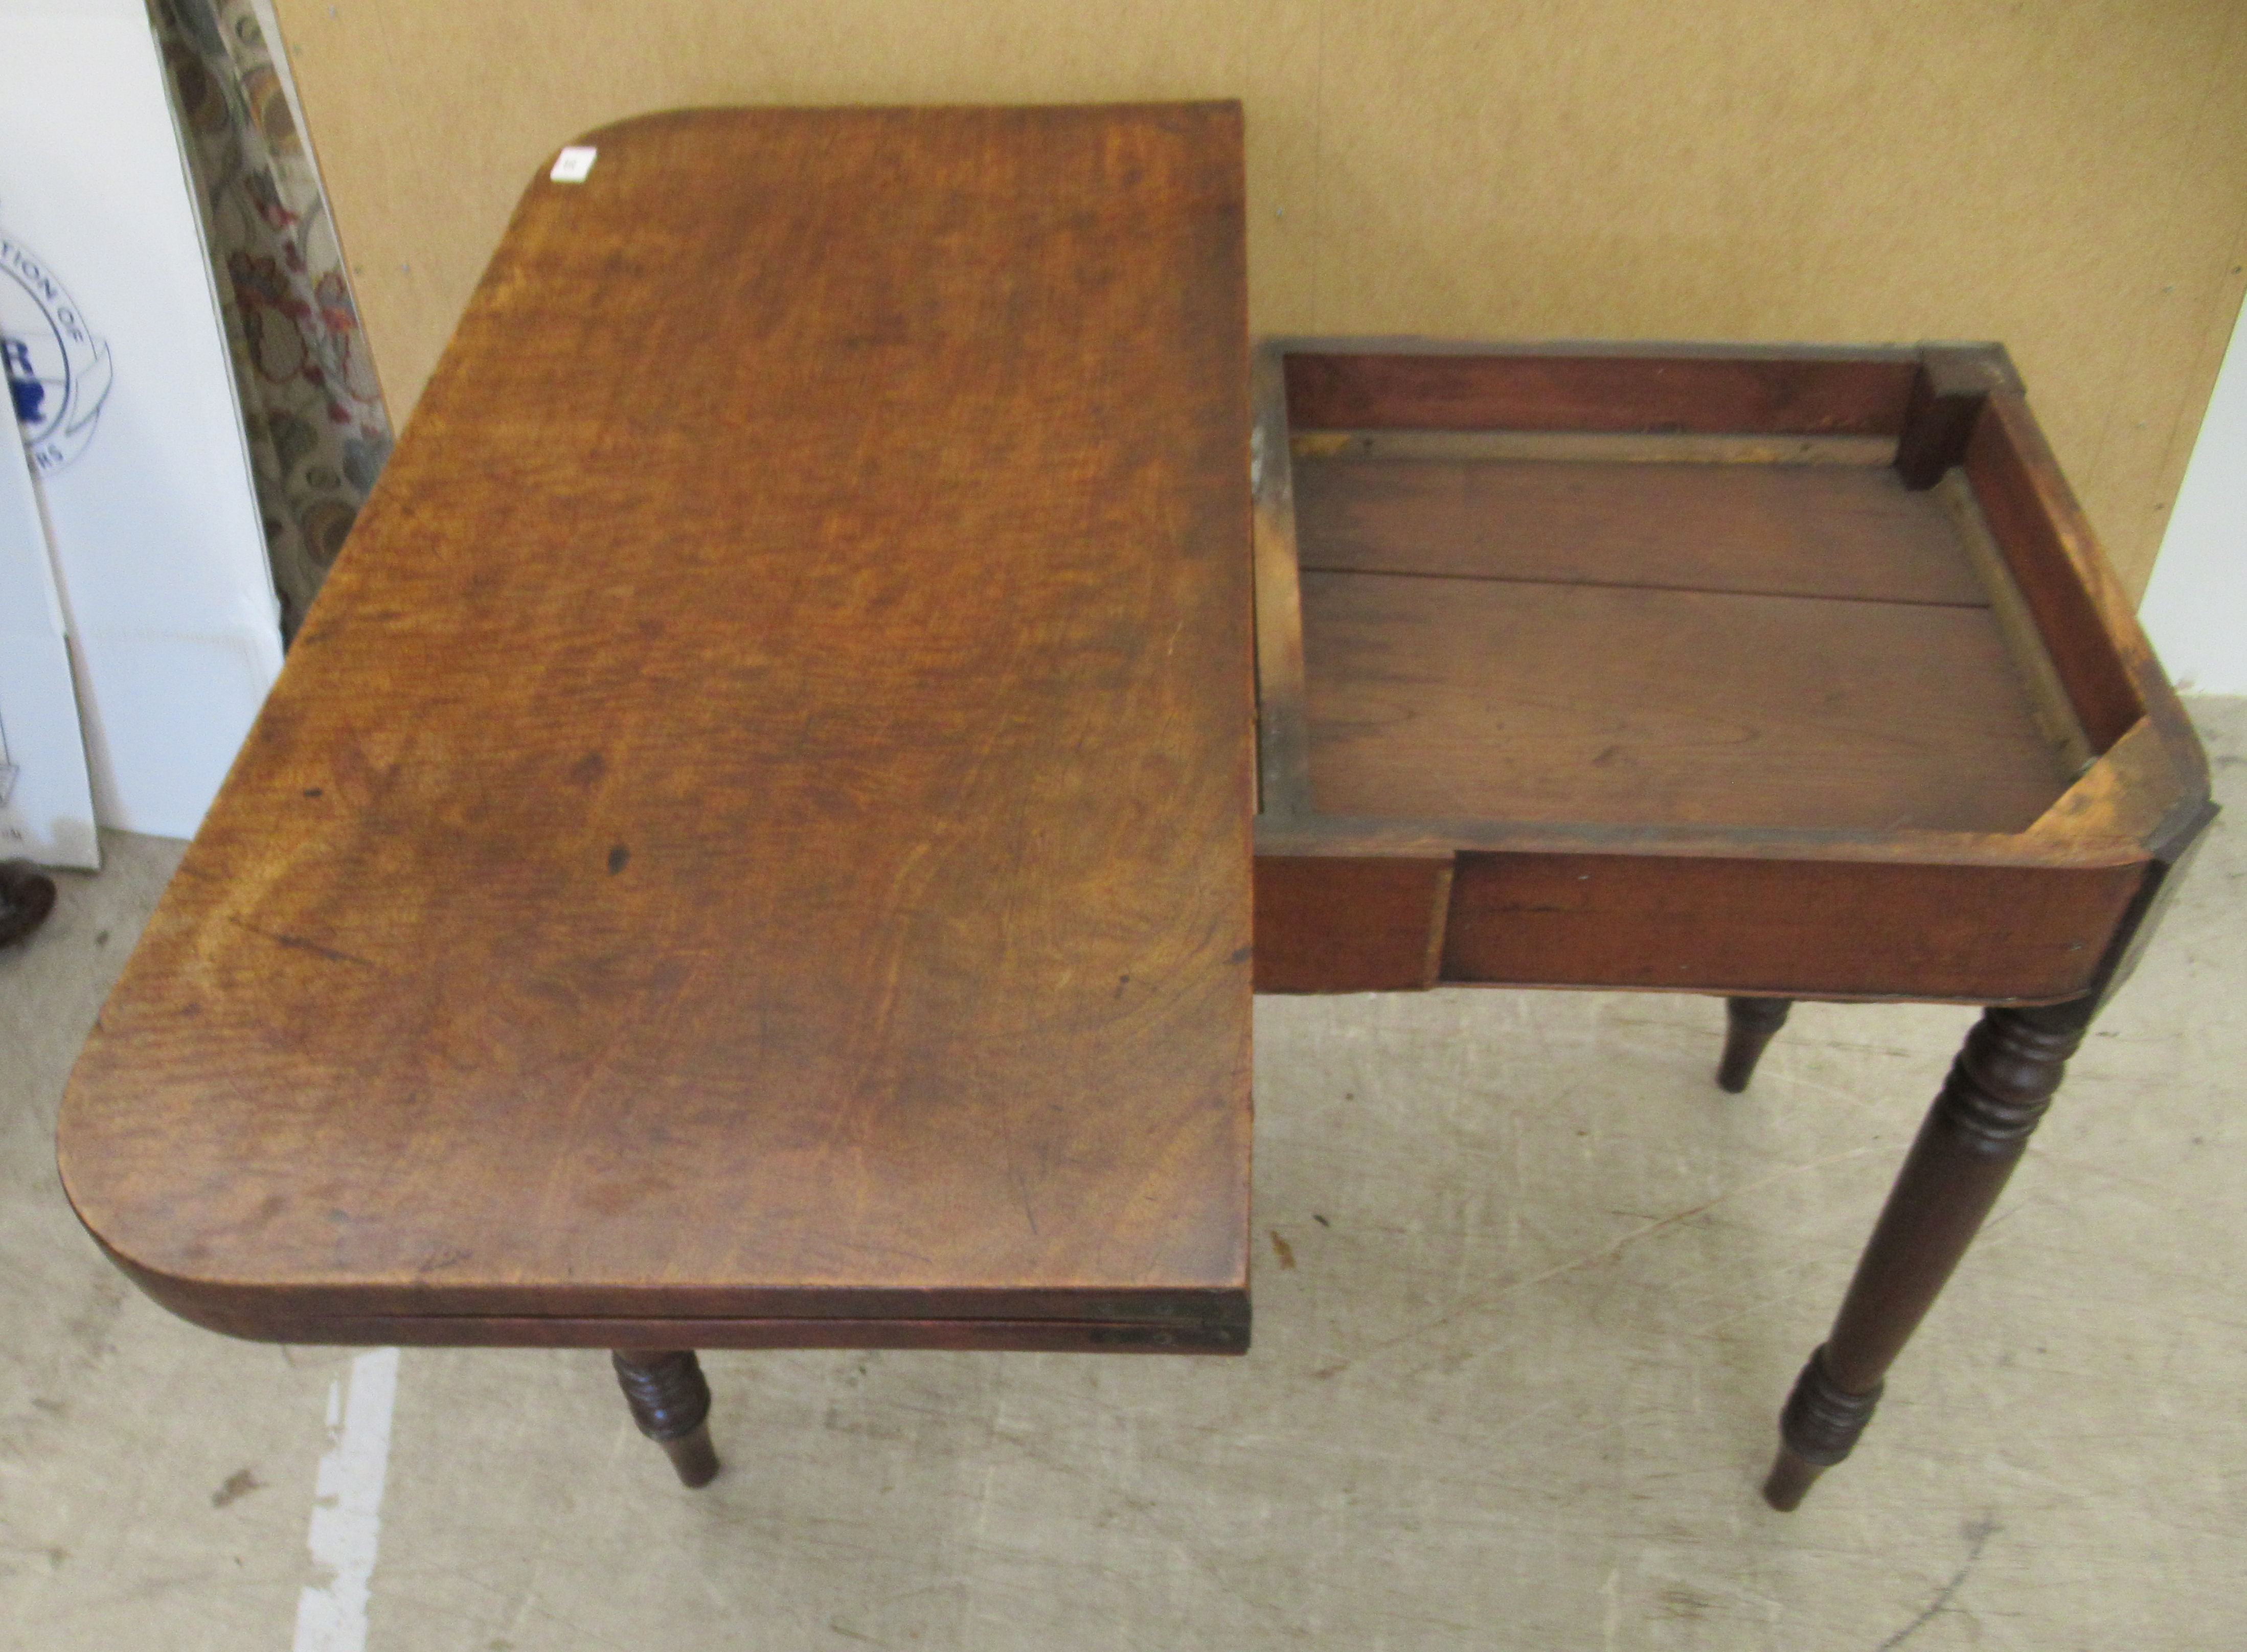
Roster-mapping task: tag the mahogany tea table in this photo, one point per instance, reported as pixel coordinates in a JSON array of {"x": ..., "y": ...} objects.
[
  {"x": 755, "y": 845},
  {"x": 752, "y": 846}
]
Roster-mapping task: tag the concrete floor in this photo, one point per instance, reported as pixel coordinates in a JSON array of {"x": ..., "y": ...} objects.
[{"x": 1529, "y": 1291}]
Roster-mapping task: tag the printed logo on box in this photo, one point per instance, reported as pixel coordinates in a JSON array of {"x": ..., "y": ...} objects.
[{"x": 58, "y": 370}]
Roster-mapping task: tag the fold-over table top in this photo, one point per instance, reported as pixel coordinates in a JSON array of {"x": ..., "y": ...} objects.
[{"x": 757, "y": 826}]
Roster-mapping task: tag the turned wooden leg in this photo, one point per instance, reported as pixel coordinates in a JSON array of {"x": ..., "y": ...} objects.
[
  {"x": 1749, "y": 1024},
  {"x": 1975, "y": 1133},
  {"x": 671, "y": 1402}
]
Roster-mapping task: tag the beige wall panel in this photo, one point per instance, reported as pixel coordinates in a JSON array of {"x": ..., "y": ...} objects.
[{"x": 2071, "y": 178}]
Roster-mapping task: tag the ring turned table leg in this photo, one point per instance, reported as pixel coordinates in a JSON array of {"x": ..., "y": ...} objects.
[
  {"x": 1975, "y": 1133},
  {"x": 1749, "y": 1023},
  {"x": 671, "y": 1402}
]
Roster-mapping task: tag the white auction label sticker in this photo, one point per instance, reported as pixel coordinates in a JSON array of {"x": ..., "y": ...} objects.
[{"x": 573, "y": 163}]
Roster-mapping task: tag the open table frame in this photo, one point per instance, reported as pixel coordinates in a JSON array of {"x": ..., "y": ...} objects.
[
  {"x": 1770, "y": 673},
  {"x": 753, "y": 848}
]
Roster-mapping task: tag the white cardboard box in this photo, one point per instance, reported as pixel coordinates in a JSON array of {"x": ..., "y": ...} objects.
[
  {"x": 118, "y": 365},
  {"x": 46, "y": 807}
]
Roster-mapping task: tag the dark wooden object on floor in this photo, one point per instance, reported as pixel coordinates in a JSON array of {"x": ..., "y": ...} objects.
[
  {"x": 1749, "y": 1023},
  {"x": 27, "y": 894},
  {"x": 670, "y": 1401},
  {"x": 1974, "y": 1134},
  {"x": 752, "y": 847},
  {"x": 1767, "y": 672}
]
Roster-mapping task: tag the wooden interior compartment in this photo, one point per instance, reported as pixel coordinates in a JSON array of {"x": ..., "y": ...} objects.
[
  {"x": 1759, "y": 629},
  {"x": 1721, "y": 669}
]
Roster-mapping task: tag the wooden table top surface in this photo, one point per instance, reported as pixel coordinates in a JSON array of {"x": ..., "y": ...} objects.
[{"x": 758, "y": 824}]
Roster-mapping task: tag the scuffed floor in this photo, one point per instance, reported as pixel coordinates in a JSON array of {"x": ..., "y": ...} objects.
[{"x": 1530, "y": 1289}]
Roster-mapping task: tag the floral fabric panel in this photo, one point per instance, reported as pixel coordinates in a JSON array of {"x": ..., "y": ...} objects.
[{"x": 317, "y": 431}]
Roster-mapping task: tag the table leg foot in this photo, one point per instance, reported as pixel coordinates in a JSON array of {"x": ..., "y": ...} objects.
[
  {"x": 1790, "y": 1480},
  {"x": 1976, "y": 1132},
  {"x": 671, "y": 1402},
  {"x": 27, "y": 894},
  {"x": 1749, "y": 1024},
  {"x": 1817, "y": 1429}
]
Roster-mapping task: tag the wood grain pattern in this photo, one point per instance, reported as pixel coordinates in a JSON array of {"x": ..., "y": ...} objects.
[
  {"x": 2033, "y": 518},
  {"x": 2041, "y": 683},
  {"x": 2062, "y": 849},
  {"x": 1709, "y": 390},
  {"x": 2049, "y": 543},
  {"x": 2171, "y": 851},
  {"x": 1954, "y": 382},
  {"x": 1754, "y": 728},
  {"x": 1228, "y": 1334},
  {"x": 1334, "y": 924},
  {"x": 758, "y": 824},
  {"x": 1782, "y": 928},
  {"x": 2129, "y": 790},
  {"x": 2150, "y": 782},
  {"x": 1772, "y": 530},
  {"x": 1599, "y": 446},
  {"x": 1967, "y": 917},
  {"x": 1449, "y": 697},
  {"x": 1282, "y": 735}
]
